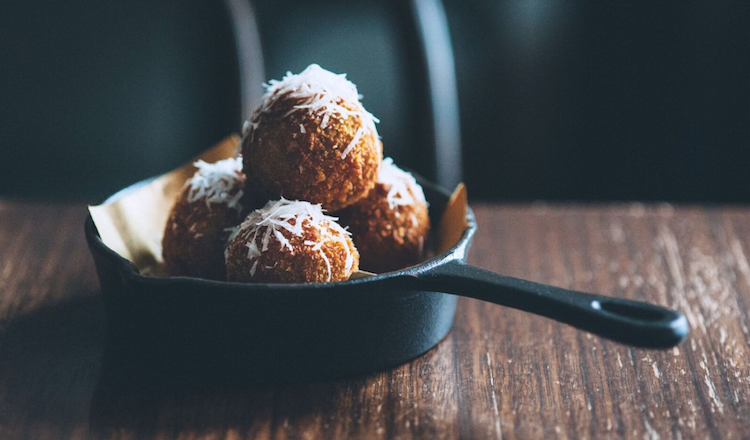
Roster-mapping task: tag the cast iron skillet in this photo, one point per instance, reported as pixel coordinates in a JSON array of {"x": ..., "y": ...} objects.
[{"x": 304, "y": 331}]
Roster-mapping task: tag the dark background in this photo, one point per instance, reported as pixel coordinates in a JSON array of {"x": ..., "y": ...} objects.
[
  {"x": 576, "y": 100},
  {"x": 605, "y": 100}
]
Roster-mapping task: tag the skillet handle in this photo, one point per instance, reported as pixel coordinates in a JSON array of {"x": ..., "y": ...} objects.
[{"x": 629, "y": 322}]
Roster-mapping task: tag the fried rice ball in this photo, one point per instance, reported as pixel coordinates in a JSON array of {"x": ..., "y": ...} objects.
[
  {"x": 201, "y": 220},
  {"x": 391, "y": 225},
  {"x": 290, "y": 242},
  {"x": 311, "y": 139}
]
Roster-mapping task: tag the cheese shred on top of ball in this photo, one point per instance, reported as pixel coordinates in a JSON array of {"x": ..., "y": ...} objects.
[
  {"x": 403, "y": 187},
  {"x": 217, "y": 183}
]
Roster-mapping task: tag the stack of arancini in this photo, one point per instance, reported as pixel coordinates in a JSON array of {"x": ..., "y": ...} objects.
[{"x": 310, "y": 148}]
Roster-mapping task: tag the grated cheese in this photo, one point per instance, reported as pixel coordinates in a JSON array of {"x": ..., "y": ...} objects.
[
  {"x": 357, "y": 136},
  {"x": 320, "y": 92},
  {"x": 246, "y": 126},
  {"x": 403, "y": 188},
  {"x": 217, "y": 183},
  {"x": 246, "y": 130},
  {"x": 283, "y": 217}
]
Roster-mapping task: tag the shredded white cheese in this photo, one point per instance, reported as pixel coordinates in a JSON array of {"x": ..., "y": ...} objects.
[
  {"x": 219, "y": 182},
  {"x": 355, "y": 140},
  {"x": 283, "y": 217},
  {"x": 403, "y": 188},
  {"x": 320, "y": 92}
]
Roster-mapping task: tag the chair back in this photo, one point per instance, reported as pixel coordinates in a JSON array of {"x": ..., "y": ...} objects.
[{"x": 98, "y": 94}]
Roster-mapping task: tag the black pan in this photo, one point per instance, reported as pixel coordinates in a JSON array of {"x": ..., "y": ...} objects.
[{"x": 302, "y": 331}]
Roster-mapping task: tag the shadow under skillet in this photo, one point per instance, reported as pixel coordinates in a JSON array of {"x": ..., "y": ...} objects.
[
  {"x": 60, "y": 373},
  {"x": 151, "y": 402},
  {"x": 49, "y": 366},
  {"x": 138, "y": 393}
]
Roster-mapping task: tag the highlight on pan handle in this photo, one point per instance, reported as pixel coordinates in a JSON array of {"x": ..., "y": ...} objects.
[{"x": 629, "y": 322}]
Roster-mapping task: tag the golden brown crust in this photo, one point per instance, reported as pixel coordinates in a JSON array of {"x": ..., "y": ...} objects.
[
  {"x": 387, "y": 239},
  {"x": 283, "y": 161},
  {"x": 195, "y": 237},
  {"x": 304, "y": 265}
]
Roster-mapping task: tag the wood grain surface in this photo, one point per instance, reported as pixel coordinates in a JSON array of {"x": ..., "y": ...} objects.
[{"x": 499, "y": 374}]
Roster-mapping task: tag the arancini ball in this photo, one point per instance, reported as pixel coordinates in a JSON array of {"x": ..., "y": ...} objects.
[
  {"x": 290, "y": 242},
  {"x": 199, "y": 222},
  {"x": 311, "y": 139},
  {"x": 391, "y": 225}
]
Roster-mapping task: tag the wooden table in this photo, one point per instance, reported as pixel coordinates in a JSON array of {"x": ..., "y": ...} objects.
[{"x": 499, "y": 374}]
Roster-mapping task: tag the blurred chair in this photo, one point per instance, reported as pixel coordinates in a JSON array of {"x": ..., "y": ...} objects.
[
  {"x": 397, "y": 52},
  {"x": 99, "y": 94}
]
